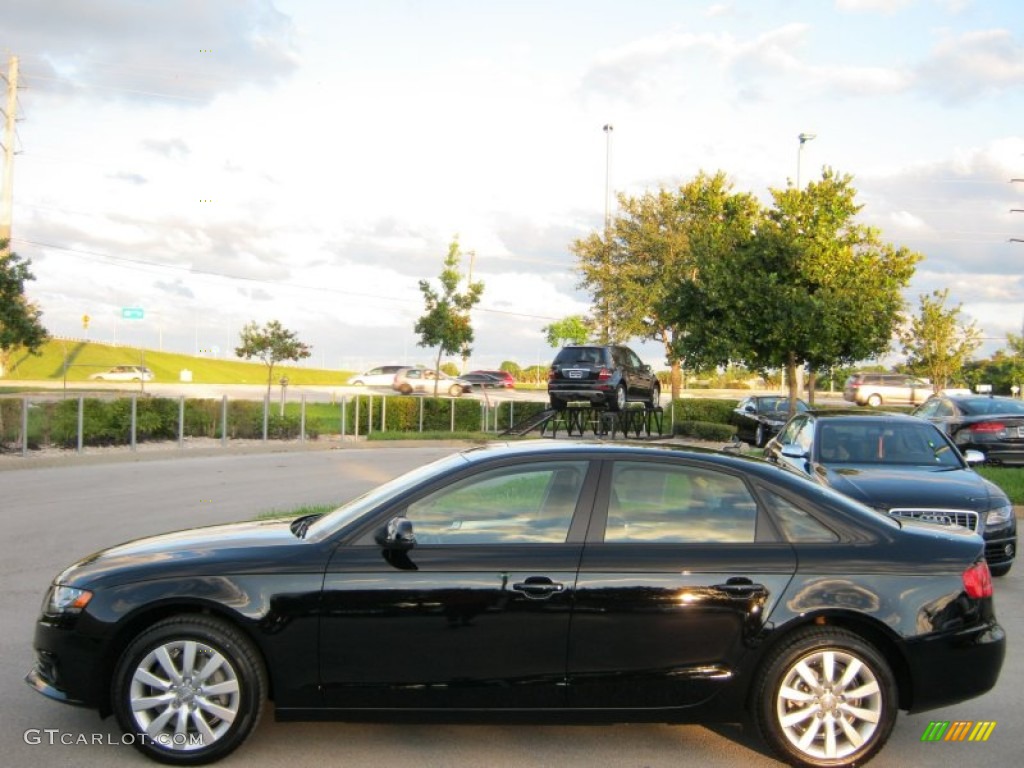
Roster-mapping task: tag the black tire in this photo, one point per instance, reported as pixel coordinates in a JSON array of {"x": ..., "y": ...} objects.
[
  {"x": 655, "y": 400},
  {"x": 618, "y": 403},
  {"x": 788, "y": 708},
  {"x": 760, "y": 438},
  {"x": 557, "y": 404},
  {"x": 998, "y": 571},
  {"x": 455, "y": 390},
  {"x": 209, "y": 710}
]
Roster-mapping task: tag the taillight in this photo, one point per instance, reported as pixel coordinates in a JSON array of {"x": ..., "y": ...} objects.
[
  {"x": 552, "y": 373},
  {"x": 978, "y": 580},
  {"x": 988, "y": 427},
  {"x": 604, "y": 374}
]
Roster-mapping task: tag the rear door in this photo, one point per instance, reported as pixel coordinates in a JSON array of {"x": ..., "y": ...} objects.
[{"x": 680, "y": 574}]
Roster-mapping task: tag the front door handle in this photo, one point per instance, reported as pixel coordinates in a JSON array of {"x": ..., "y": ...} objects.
[
  {"x": 538, "y": 587},
  {"x": 740, "y": 588}
]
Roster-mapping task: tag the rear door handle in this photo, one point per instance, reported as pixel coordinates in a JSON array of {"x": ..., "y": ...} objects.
[
  {"x": 741, "y": 588},
  {"x": 538, "y": 587}
]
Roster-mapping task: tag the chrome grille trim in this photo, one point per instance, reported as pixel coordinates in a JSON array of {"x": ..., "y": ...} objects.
[{"x": 961, "y": 517}]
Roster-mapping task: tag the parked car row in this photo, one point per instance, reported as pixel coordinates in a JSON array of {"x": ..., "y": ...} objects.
[{"x": 414, "y": 379}]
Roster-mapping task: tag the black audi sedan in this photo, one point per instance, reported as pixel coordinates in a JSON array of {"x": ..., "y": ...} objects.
[
  {"x": 541, "y": 582},
  {"x": 992, "y": 425},
  {"x": 901, "y": 466}
]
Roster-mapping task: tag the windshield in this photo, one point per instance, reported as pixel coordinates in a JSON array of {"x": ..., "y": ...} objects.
[
  {"x": 855, "y": 442},
  {"x": 382, "y": 494}
]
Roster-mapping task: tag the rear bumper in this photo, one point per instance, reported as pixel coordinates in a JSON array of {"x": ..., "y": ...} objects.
[{"x": 969, "y": 662}]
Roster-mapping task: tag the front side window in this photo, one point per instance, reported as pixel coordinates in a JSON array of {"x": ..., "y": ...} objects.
[
  {"x": 525, "y": 503},
  {"x": 670, "y": 503}
]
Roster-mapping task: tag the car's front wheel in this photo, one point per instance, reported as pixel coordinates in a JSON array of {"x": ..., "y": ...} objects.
[
  {"x": 760, "y": 438},
  {"x": 825, "y": 698},
  {"x": 189, "y": 690},
  {"x": 655, "y": 400},
  {"x": 874, "y": 400}
]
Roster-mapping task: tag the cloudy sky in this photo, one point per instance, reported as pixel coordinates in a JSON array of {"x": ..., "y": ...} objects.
[{"x": 219, "y": 161}]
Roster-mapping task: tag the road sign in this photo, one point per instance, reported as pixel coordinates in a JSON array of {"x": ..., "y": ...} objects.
[{"x": 131, "y": 313}]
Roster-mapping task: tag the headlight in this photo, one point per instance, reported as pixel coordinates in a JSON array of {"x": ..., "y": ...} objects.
[
  {"x": 999, "y": 515},
  {"x": 64, "y": 600}
]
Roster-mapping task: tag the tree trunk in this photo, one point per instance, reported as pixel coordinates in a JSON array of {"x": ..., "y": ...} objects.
[
  {"x": 437, "y": 369},
  {"x": 811, "y": 378},
  {"x": 791, "y": 381}
]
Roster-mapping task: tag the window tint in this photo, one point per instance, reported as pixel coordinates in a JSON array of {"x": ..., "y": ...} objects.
[
  {"x": 529, "y": 503},
  {"x": 796, "y": 523},
  {"x": 670, "y": 503}
]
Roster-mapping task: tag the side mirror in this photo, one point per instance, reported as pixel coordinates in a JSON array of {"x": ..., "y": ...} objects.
[
  {"x": 972, "y": 457},
  {"x": 793, "y": 451},
  {"x": 397, "y": 534}
]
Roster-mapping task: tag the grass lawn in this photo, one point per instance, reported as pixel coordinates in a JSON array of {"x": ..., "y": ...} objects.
[{"x": 1010, "y": 479}]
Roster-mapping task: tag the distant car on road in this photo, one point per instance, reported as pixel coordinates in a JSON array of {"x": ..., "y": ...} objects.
[
  {"x": 758, "y": 418},
  {"x": 423, "y": 380},
  {"x": 509, "y": 381},
  {"x": 124, "y": 373},
  {"x": 483, "y": 380},
  {"x": 381, "y": 376},
  {"x": 992, "y": 425},
  {"x": 876, "y": 389},
  {"x": 901, "y": 466}
]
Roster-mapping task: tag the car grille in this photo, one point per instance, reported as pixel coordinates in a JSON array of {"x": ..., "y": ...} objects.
[{"x": 961, "y": 517}]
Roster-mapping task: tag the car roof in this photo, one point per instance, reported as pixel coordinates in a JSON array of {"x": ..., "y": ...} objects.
[{"x": 851, "y": 415}]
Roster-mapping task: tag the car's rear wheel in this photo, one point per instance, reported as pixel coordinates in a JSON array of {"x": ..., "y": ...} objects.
[
  {"x": 189, "y": 689},
  {"x": 618, "y": 403},
  {"x": 405, "y": 389},
  {"x": 874, "y": 400},
  {"x": 825, "y": 698},
  {"x": 759, "y": 436},
  {"x": 557, "y": 404},
  {"x": 455, "y": 390}
]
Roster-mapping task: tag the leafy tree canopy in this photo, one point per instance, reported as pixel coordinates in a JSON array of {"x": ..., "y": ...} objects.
[
  {"x": 936, "y": 342},
  {"x": 20, "y": 319},
  {"x": 445, "y": 324},
  {"x": 271, "y": 343},
  {"x": 574, "y": 329}
]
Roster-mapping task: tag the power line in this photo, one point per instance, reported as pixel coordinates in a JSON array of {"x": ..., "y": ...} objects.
[{"x": 142, "y": 263}]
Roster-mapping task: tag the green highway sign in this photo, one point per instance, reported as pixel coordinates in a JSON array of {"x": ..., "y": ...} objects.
[{"x": 131, "y": 313}]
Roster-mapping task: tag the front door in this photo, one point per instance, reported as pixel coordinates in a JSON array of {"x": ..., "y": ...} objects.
[{"x": 476, "y": 615}]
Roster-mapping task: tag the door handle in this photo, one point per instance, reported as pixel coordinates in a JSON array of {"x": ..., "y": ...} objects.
[
  {"x": 538, "y": 587},
  {"x": 740, "y": 588}
]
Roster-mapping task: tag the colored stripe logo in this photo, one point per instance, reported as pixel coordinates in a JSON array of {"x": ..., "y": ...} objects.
[{"x": 958, "y": 730}]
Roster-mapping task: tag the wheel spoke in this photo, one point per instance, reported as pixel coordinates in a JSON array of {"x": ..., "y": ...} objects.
[
  {"x": 151, "y": 702},
  {"x": 808, "y": 675},
  {"x": 867, "y": 715},
  {"x": 869, "y": 688},
  {"x": 212, "y": 665},
  {"x": 809, "y": 735},
  {"x": 218, "y": 689},
  {"x": 188, "y": 658},
  {"x": 798, "y": 716},
  {"x": 156, "y": 725},
  {"x": 146, "y": 677},
  {"x": 829, "y": 722},
  {"x": 851, "y": 733},
  {"x": 225, "y": 714},
  {"x": 828, "y": 666},
  {"x": 207, "y": 734},
  {"x": 163, "y": 657},
  {"x": 795, "y": 695},
  {"x": 851, "y": 672}
]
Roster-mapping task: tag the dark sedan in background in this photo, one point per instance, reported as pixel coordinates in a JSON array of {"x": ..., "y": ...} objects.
[
  {"x": 901, "y": 466},
  {"x": 760, "y": 417},
  {"x": 992, "y": 425},
  {"x": 549, "y": 582}
]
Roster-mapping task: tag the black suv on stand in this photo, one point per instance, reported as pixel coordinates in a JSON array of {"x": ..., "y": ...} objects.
[{"x": 605, "y": 375}]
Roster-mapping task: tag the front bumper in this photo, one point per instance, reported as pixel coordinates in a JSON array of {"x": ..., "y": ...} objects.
[{"x": 68, "y": 666}]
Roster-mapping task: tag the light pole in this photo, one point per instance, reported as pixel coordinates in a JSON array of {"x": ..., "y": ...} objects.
[
  {"x": 608, "y": 128},
  {"x": 803, "y": 138}
]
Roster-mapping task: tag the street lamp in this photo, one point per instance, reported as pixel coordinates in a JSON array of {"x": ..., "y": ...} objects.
[
  {"x": 804, "y": 138},
  {"x": 608, "y": 128}
]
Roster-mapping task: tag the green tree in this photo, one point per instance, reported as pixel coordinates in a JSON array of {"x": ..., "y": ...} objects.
[
  {"x": 809, "y": 286},
  {"x": 936, "y": 342},
  {"x": 20, "y": 319},
  {"x": 446, "y": 324},
  {"x": 272, "y": 343},
  {"x": 574, "y": 329},
  {"x": 511, "y": 366},
  {"x": 634, "y": 267}
]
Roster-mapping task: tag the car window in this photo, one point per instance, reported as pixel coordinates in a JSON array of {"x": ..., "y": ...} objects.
[
  {"x": 526, "y": 503},
  {"x": 851, "y": 442},
  {"x": 788, "y": 434},
  {"x": 678, "y": 504},
  {"x": 796, "y": 523}
]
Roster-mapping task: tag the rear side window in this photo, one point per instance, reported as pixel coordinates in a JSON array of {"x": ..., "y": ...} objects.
[
  {"x": 681, "y": 504},
  {"x": 796, "y": 523}
]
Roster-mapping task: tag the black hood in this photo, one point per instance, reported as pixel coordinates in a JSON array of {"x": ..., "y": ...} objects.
[{"x": 888, "y": 487}]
